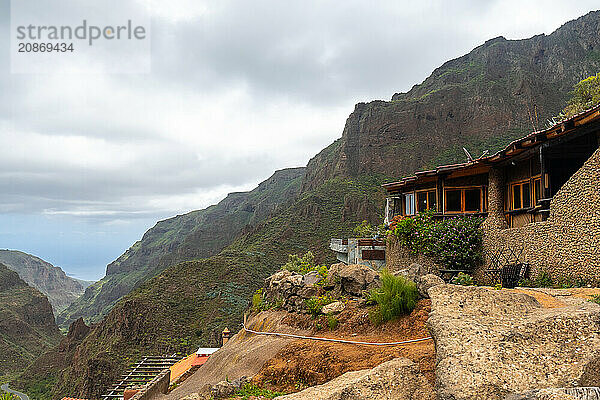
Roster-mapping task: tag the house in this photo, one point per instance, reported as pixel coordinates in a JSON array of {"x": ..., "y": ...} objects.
[
  {"x": 540, "y": 194},
  {"x": 370, "y": 252}
]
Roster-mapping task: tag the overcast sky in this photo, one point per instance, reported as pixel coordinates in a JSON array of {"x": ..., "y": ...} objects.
[{"x": 237, "y": 89}]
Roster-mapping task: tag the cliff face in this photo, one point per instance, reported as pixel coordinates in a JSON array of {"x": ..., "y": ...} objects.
[
  {"x": 198, "y": 234},
  {"x": 501, "y": 90},
  {"x": 26, "y": 323},
  {"x": 52, "y": 281}
]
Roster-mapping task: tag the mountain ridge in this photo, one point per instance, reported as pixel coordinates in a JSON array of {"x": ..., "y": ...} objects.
[{"x": 52, "y": 281}]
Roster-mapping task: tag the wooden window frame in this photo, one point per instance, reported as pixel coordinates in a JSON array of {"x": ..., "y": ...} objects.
[
  {"x": 463, "y": 190},
  {"x": 532, "y": 189},
  {"x": 428, "y": 207}
]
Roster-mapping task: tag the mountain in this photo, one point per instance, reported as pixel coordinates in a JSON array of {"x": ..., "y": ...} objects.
[
  {"x": 500, "y": 90},
  {"x": 52, "y": 281},
  {"x": 198, "y": 234},
  {"x": 27, "y": 324}
]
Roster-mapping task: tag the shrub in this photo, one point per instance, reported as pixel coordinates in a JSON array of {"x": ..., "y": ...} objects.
[
  {"x": 463, "y": 279},
  {"x": 332, "y": 322},
  {"x": 585, "y": 95},
  {"x": 8, "y": 396},
  {"x": 250, "y": 390},
  {"x": 305, "y": 264},
  {"x": 396, "y": 296},
  {"x": 366, "y": 230},
  {"x": 595, "y": 299},
  {"x": 454, "y": 243},
  {"x": 315, "y": 304},
  {"x": 298, "y": 263}
]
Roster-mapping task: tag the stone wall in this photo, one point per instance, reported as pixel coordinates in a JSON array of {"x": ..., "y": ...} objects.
[
  {"x": 567, "y": 244},
  {"x": 157, "y": 386},
  {"x": 398, "y": 257}
]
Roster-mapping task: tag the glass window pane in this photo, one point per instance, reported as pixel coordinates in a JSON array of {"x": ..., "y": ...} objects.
[
  {"x": 516, "y": 197},
  {"x": 453, "y": 202},
  {"x": 421, "y": 201},
  {"x": 472, "y": 200},
  {"x": 526, "y": 195},
  {"x": 537, "y": 184},
  {"x": 432, "y": 200},
  {"x": 409, "y": 206}
]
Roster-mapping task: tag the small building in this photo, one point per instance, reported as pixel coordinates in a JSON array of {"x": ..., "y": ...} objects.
[
  {"x": 540, "y": 194},
  {"x": 370, "y": 252}
]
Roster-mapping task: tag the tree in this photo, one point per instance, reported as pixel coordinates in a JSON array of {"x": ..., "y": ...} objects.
[{"x": 585, "y": 95}]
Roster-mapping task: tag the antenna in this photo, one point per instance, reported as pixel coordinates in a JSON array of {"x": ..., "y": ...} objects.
[{"x": 469, "y": 156}]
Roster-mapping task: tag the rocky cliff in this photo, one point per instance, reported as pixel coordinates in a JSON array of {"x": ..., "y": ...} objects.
[
  {"x": 26, "y": 323},
  {"x": 482, "y": 100},
  {"x": 198, "y": 234},
  {"x": 52, "y": 281}
]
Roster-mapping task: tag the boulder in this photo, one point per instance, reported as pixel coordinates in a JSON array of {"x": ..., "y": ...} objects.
[
  {"x": 335, "y": 307},
  {"x": 426, "y": 282},
  {"x": 311, "y": 279},
  {"x": 493, "y": 343},
  {"x": 397, "y": 379},
  {"x": 352, "y": 280},
  {"x": 414, "y": 272},
  {"x": 225, "y": 389}
]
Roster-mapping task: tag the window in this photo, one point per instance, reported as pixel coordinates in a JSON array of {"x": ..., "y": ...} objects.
[
  {"x": 409, "y": 204},
  {"x": 472, "y": 200},
  {"x": 463, "y": 200},
  {"x": 537, "y": 190},
  {"x": 426, "y": 200},
  {"x": 453, "y": 201},
  {"x": 521, "y": 195}
]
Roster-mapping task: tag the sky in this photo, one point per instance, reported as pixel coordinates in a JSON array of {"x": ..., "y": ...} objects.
[{"x": 235, "y": 91}]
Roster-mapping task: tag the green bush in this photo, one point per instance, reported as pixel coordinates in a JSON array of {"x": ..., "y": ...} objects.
[
  {"x": 298, "y": 263},
  {"x": 595, "y": 299},
  {"x": 396, "y": 296},
  {"x": 585, "y": 95},
  {"x": 305, "y": 264},
  {"x": 332, "y": 322},
  {"x": 8, "y": 396},
  {"x": 251, "y": 391},
  {"x": 315, "y": 304},
  {"x": 463, "y": 279},
  {"x": 454, "y": 243}
]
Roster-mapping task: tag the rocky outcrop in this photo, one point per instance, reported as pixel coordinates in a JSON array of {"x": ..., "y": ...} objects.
[
  {"x": 493, "y": 343},
  {"x": 351, "y": 280},
  {"x": 52, "y": 281},
  {"x": 291, "y": 289},
  {"x": 398, "y": 379},
  {"x": 421, "y": 276}
]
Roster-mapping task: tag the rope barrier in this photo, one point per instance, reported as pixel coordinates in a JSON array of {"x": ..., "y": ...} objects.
[{"x": 333, "y": 340}]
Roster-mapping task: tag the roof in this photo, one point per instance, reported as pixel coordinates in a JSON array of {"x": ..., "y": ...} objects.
[
  {"x": 513, "y": 149},
  {"x": 206, "y": 350}
]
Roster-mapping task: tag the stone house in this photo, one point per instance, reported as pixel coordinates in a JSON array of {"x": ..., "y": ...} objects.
[{"x": 539, "y": 195}]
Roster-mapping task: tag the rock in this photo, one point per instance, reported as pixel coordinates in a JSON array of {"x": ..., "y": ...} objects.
[
  {"x": 336, "y": 307},
  {"x": 398, "y": 379},
  {"x": 352, "y": 280},
  {"x": 414, "y": 272},
  {"x": 492, "y": 343},
  {"x": 576, "y": 393},
  {"x": 222, "y": 390},
  {"x": 193, "y": 396},
  {"x": 426, "y": 282},
  {"x": 311, "y": 278}
]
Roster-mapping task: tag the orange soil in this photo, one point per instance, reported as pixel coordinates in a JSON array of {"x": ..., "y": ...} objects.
[{"x": 307, "y": 362}]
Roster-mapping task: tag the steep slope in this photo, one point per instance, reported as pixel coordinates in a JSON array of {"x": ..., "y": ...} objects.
[
  {"x": 198, "y": 234},
  {"x": 26, "y": 323},
  {"x": 190, "y": 303},
  {"x": 501, "y": 90},
  {"x": 52, "y": 281}
]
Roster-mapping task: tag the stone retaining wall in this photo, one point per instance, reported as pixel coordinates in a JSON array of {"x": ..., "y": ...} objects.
[
  {"x": 158, "y": 385},
  {"x": 398, "y": 257},
  {"x": 567, "y": 244}
]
